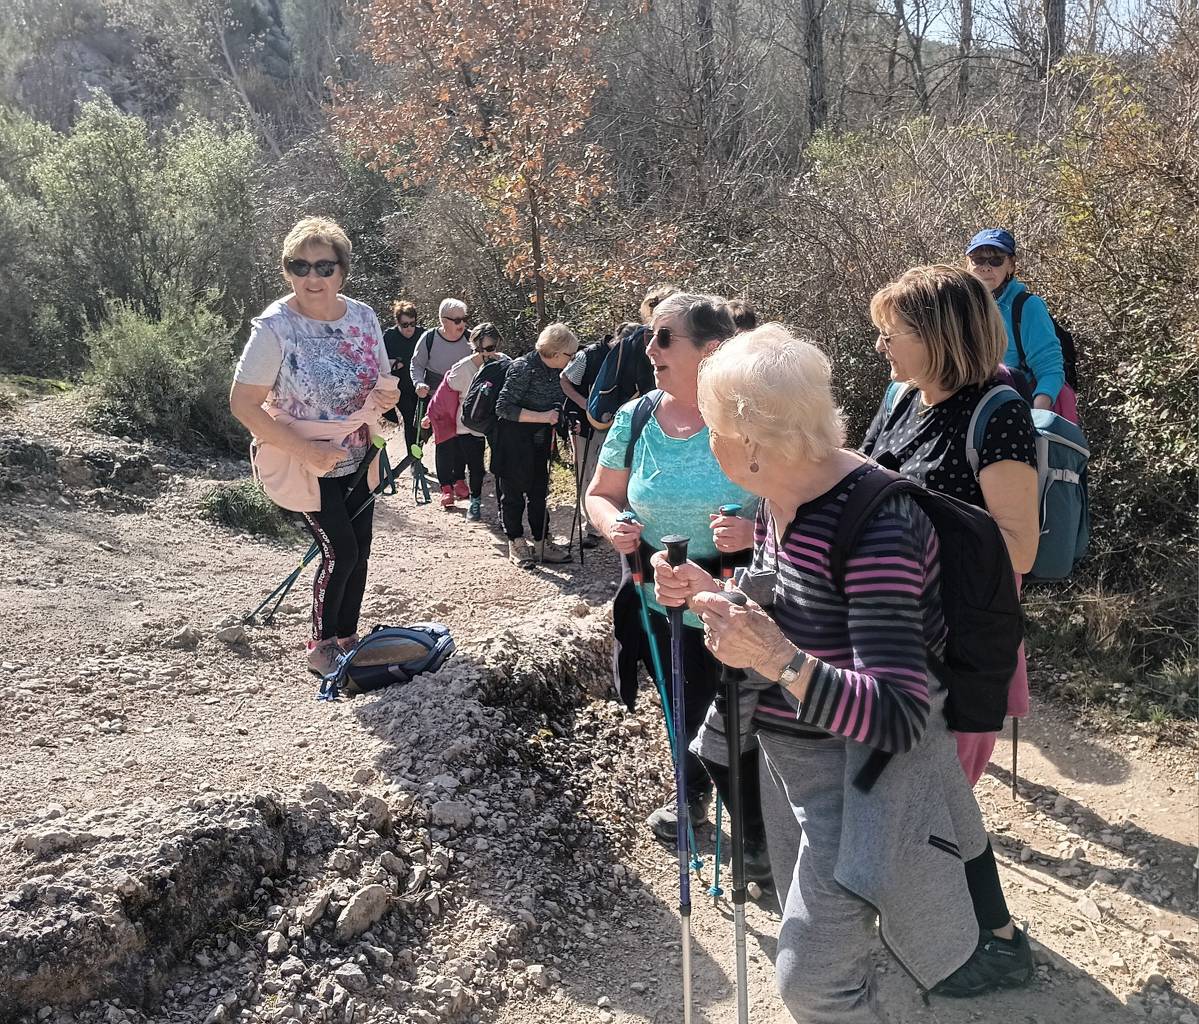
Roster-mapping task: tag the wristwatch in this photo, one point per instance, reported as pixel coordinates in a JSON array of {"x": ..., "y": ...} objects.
[{"x": 791, "y": 672}]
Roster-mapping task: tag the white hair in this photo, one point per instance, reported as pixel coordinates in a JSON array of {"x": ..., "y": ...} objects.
[
  {"x": 773, "y": 389},
  {"x": 451, "y": 307},
  {"x": 556, "y": 340}
]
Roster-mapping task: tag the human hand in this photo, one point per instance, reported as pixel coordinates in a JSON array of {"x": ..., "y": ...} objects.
[
  {"x": 422, "y": 390},
  {"x": 731, "y": 533},
  {"x": 743, "y": 636},
  {"x": 674, "y": 585},
  {"x": 322, "y": 456},
  {"x": 625, "y": 535},
  {"x": 425, "y": 423},
  {"x": 382, "y": 399},
  {"x": 550, "y": 417}
]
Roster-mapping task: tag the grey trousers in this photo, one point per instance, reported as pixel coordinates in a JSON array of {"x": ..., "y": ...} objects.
[
  {"x": 592, "y": 451},
  {"x": 823, "y": 969}
]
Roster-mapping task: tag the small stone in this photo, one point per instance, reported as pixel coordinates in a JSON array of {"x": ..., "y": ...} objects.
[
  {"x": 1025, "y": 854},
  {"x": 185, "y": 639},
  {"x": 538, "y": 975},
  {"x": 454, "y": 813},
  {"x": 277, "y": 946},
  {"x": 374, "y": 813},
  {"x": 351, "y": 978},
  {"x": 605, "y": 1017},
  {"x": 1061, "y": 805},
  {"x": 314, "y": 909},
  {"x": 291, "y": 965},
  {"x": 1089, "y": 909},
  {"x": 753, "y": 891},
  {"x": 603, "y": 1002},
  {"x": 232, "y": 634}
]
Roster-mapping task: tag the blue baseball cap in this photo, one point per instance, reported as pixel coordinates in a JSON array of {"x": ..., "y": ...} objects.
[{"x": 996, "y": 238}]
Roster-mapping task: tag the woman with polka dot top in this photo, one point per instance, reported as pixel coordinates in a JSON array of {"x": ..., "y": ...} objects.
[{"x": 944, "y": 338}]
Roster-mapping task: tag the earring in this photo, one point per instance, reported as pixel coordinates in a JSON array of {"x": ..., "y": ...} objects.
[{"x": 753, "y": 465}]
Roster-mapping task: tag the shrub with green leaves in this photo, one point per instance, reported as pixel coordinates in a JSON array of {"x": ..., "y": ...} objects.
[
  {"x": 245, "y": 508},
  {"x": 165, "y": 377}
]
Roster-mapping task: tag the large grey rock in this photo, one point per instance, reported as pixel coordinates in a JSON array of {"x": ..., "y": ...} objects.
[
  {"x": 351, "y": 978},
  {"x": 366, "y": 906},
  {"x": 454, "y": 813}
]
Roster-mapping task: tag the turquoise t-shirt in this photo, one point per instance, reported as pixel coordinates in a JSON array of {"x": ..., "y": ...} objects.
[{"x": 675, "y": 484}]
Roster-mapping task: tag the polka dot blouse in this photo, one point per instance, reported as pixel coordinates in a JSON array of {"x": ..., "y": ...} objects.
[{"x": 928, "y": 443}]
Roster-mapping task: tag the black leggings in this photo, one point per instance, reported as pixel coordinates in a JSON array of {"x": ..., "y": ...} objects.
[
  {"x": 986, "y": 891},
  {"x": 456, "y": 458},
  {"x": 345, "y": 547},
  {"x": 529, "y": 491}
]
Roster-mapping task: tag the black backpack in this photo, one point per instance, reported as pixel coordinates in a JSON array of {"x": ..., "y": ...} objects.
[
  {"x": 642, "y": 412},
  {"x": 978, "y": 599},
  {"x": 1064, "y": 338},
  {"x": 478, "y": 405},
  {"x": 625, "y": 371}
]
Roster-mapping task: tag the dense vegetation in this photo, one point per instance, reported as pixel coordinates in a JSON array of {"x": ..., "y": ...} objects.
[{"x": 546, "y": 160}]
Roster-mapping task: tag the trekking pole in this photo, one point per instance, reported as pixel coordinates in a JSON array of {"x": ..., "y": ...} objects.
[
  {"x": 676, "y": 553},
  {"x": 637, "y": 571},
  {"x": 582, "y": 481},
  {"x": 731, "y": 677},
  {"x": 726, "y": 573},
  {"x": 574, "y": 521},
  {"x": 420, "y": 476},
  {"x": 1015, "y": 746}
]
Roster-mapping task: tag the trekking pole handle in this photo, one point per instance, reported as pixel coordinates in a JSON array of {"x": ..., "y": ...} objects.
[
  {"x": 726, "y": 565},
  {"x": 676, "y": 549},
  {"x": 636, "y": 569}
]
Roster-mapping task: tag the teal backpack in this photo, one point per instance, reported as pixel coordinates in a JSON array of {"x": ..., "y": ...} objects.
[{"x": 1062, "y": 456}]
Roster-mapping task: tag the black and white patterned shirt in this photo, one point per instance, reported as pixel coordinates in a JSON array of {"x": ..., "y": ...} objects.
[
  {"x": 531, "y": 385},
  {"x": 928, "y": 443}
]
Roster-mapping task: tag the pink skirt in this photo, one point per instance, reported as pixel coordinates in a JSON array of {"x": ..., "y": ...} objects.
[{"x": 974, "y": 748}]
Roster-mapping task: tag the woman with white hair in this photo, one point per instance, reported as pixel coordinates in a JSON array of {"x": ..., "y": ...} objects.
[
  {"x": 528, "y": 407},
  {"x": 843, "y": 672},
  {"x": 436, "y": 352}
]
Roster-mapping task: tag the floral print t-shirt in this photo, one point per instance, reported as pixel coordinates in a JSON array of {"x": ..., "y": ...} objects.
[{"x": 317, "y": 369}]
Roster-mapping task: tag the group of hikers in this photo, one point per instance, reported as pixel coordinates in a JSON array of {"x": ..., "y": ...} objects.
[{"x": 734, "y": 440}]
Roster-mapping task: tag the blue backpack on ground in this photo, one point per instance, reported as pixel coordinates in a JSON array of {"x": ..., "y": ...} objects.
[
  {"x": 1062, "y": 502},
  {"x": 388, "y": 655},
  {"x": 625, "y": 372}
]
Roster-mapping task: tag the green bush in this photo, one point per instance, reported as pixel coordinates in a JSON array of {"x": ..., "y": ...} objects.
[
  {"x": 165, "y": 377},
  {"x": 245, "y": 508}
]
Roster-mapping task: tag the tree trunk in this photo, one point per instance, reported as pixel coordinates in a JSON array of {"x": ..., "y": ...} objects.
[
  {"x": 705, "y": 52},
  {"x": 538, "y": 259},
  {"x": 965, "y": 45},
  {"x": 893, "y": 54},
  {"x": 813, "y": 16},
  {"x": 1055, "y": 33}
]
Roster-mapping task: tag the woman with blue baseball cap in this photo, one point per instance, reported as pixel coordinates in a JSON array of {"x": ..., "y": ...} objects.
[{"x": 1033, "y": 349}]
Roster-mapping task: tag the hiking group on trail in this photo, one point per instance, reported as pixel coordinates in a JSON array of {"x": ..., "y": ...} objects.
[{"x": 852, "y": 610}]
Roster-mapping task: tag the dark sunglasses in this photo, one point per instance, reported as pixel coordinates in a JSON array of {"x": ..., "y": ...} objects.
[
  {"x": 407, "y": 323},
  {"x": 300, "y": 268},
  {"x": 990, "y": 261},
  {"x": 487, "y": 348},
  {"x": 454, "y": 319},
  {"x": 663, "y": 337}
]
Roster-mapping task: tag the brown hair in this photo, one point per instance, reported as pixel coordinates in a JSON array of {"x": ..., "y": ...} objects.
[
  {"x": 662, "y": 290},
  {"x": 745, "y": 317},
  {"x": 402, "y": 307},
  {"x": 322, "y": 231},
  {"x": 954, "y": 315}
]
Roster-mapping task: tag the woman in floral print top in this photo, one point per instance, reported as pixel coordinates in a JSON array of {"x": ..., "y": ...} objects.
[{"x": 312, "y": 378}]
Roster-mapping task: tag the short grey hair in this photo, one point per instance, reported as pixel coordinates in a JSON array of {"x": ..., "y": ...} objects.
[
  {"x": 706, "y": 318},
  {"x": 557, "y": 339},
  {"x": 451, "y": 307}
]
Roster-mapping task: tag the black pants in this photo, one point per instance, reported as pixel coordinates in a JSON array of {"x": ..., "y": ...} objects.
[
  {"x": 457, "y": 457},
  {"x": 345, "y": 547},
  {"x": 405, "y": 414},
  {"x": 526, "y": 480}
]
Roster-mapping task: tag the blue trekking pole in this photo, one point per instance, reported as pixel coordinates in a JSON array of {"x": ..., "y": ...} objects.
[
  {"x": 726, "y": 573},
  {"x": 676, "y": 553},
  {"x": 637, "y": 571}
]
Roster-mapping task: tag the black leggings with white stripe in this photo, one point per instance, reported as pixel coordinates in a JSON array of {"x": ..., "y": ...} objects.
[{"x": 345, "y": 547}]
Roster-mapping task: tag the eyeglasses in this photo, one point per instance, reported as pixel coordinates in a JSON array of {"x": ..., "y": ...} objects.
[
  {"x": 454, "y": 319},
  {"x": 300, "y": 268},
  {"x": 663, "y": 336},
  {"x": 487, "y": 348},
  {"x": 886, "y": 339},
  {"x": 407, "y": 323},
  {"x": 988, "y": 261}
]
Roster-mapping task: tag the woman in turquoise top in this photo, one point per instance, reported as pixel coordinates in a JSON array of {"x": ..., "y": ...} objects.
[
  {"x": 674, "y": 484},
  {"x": 991, "y": 257}
]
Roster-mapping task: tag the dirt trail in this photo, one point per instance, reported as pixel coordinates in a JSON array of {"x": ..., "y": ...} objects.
[{"x": 112, "y": 702}]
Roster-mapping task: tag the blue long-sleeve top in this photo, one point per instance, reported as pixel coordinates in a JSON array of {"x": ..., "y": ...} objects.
[{"x": 1042, "y": 350}]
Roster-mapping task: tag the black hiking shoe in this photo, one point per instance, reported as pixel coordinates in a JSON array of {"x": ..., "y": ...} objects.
[
  {"x": 996, "y": 963},
  {"x": 664, "y": 822}
]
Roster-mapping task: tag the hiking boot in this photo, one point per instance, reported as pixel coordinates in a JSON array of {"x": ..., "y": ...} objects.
[
  {"x": 663, "y": 822},
  {"x": 346, "y": 642},
  {"x": 447, "y": 498},
  {"x": 475, "y": 512},
  {"x": 548, "y": 551},
  {"x": 590, "y": 540},
  {"x": 461, "y": 491},
  {"x": 757, "y": 867},
  {"x": 520, "y": 552},
  {"x": 996, "y": 963},
  {"x": 323, "y": 656}
]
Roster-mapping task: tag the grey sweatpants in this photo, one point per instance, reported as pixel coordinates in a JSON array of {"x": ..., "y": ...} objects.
[
  {"x": 823, "y": 969},
  {"x": 589, "y": 447}
]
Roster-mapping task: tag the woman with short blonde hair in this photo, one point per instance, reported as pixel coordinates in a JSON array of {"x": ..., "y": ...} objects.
[
  {"x": 318, "y": 231},
  {"x": 528, "y": 408}
]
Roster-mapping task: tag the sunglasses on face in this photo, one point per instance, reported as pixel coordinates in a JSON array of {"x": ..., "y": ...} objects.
[
  {"x": 300, "y": 268},
  {"x": 404, "y": 324},
  {"x": 663, "y": 336},
  {"x": 988, "y": 261},
  {"x": 486, "y": 348},
  {"x": 454, "y": 319}
]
